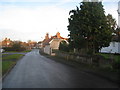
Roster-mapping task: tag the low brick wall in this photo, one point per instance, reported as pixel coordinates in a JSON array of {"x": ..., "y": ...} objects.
[{"x": 86, "y": 59}]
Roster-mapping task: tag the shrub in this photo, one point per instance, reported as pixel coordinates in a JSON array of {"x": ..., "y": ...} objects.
[
  {"x": 15, "y": 47},
  {"x": 64, "y": 46}
]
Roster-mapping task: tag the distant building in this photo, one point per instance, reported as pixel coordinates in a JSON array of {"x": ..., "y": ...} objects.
[
  {"x": 52, "y": 43},
  {"x": 39, "y": 44},
  {"x": 31, "y": 44},
  {"x": 7, "y": 42}
]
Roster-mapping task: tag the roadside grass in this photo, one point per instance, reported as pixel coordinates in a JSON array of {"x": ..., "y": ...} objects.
[
  {"x": 108, "y": 56},
  {"x": 117, "y": 58},
  {"x": 105, "y": 55},
  {"x": 9, "y": 61},
  {"x": 19, "y": 51},
  {"x": 12, "y": 57},
  {"x": 6, "y": 65}
]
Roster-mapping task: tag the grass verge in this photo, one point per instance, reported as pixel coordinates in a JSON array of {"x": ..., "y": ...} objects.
[
  {"x": 108, "y": 56},
  {"x": 19, "y": 51},
  {"x": 9, "y": 61},
  {"x": 6, "y": 65},
  {"x": 12, "y": 57}
]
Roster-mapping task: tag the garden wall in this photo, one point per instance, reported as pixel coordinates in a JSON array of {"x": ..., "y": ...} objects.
[{"x": 86, "y": 59}]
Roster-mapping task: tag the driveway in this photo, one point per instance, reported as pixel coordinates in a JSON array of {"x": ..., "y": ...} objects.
[{"x": 37, "y": 71}]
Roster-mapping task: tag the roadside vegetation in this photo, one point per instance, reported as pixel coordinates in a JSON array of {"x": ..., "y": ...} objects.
[
  {"x": 16, "y": 47},
  {"x": 115, "y": 66},
  {"x": 6, "y": 65},
  {"x": 90, "y": 30},
  {"x": 19, "y": 51},
  {"x": 8, "y": 61},
  {"x": 116, "y": 57},
  {"x": 12, "y": 57}
]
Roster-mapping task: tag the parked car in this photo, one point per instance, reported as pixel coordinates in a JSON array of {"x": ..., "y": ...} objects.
[{"x": 2, "y": 50}]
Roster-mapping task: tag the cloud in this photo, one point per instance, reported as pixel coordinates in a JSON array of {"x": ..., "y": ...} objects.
[
  {"x": 33, "y": 23},
  {"x": 111, "y": 8},
  {"x": 65, "y": 1},
  {"x": 25, "y": 0},
  {"x": 110, "y": 0}
]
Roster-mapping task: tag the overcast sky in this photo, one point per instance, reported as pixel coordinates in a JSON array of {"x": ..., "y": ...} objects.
[{"x": 32, "y": 19}]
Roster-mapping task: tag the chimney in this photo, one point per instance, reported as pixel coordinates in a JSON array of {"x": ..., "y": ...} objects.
[
  {"x": 58, "y": 35},
  {"x": 47, "y": 36}
]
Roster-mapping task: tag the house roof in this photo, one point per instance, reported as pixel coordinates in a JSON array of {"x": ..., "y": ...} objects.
[{"x": 47, "y": 39}]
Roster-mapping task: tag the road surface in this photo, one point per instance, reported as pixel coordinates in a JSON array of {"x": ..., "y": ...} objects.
[{"x": 37, "y": 71}]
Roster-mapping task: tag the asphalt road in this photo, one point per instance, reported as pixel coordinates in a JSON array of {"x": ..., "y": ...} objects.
[{"x": 37, "y": 71}]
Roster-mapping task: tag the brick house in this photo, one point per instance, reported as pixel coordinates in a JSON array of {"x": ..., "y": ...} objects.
[{"x": 7, "y": 42}]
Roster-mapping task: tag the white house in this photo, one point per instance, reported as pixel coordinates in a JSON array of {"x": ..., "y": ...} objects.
[
  {"x": 52, "y": 43},
  {"x": 47, "y": 49},
  {"x": 114, "y": 47}
]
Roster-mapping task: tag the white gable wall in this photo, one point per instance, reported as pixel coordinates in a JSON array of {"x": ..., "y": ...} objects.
[
  {"x": 54, "y": 44},
  {"x": 47, "y": 49},
  {"x": 114, "y": 47},
  {"x": 119, "y": 47}
]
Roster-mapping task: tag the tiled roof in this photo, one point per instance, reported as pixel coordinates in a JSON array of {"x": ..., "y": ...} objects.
[{"x": 46, "y": 41}]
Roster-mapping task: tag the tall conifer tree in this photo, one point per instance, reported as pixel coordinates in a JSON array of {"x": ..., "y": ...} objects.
[{"x": 88, "y": 27}]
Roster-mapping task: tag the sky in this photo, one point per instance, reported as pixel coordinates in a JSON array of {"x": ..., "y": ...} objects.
[{"x": 31, "y": 19}]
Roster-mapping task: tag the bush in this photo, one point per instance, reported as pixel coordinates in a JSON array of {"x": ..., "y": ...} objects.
[
  {"x": 15, "y": 47},
  {"x": 64, "y": 46},
  {"x": 7, "y": 48}
]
